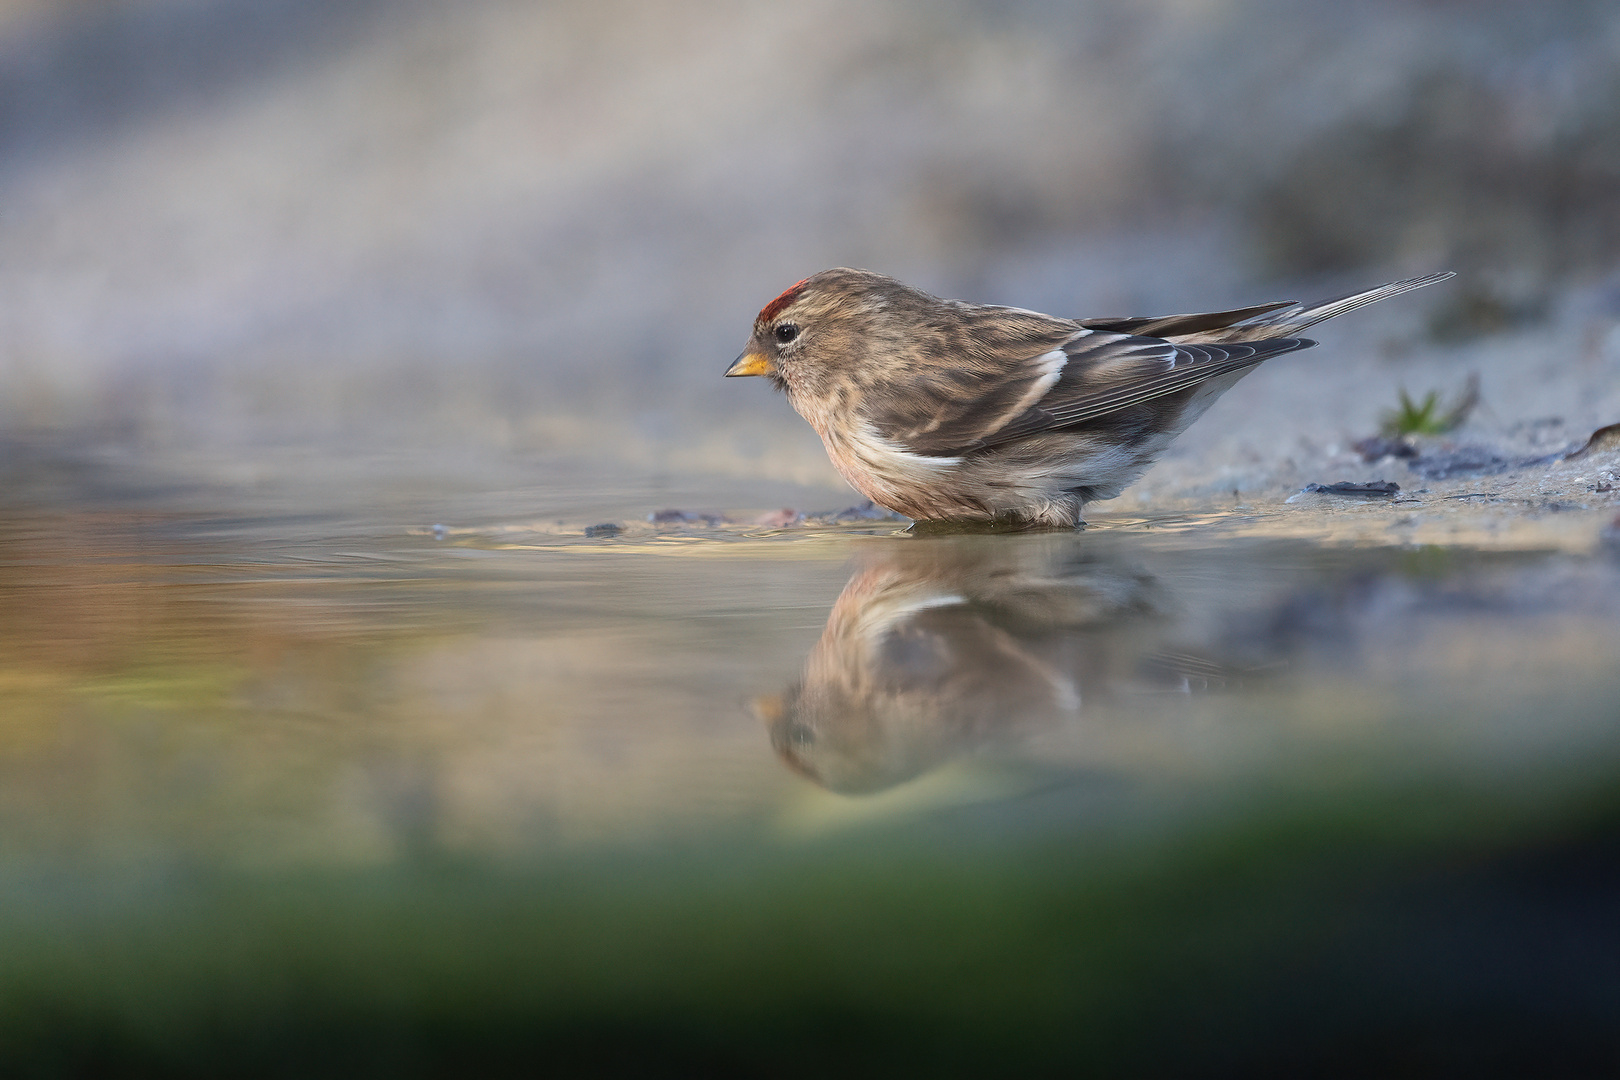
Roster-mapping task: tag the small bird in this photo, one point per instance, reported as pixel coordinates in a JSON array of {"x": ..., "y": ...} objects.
[{"x": 945, "y": 410}]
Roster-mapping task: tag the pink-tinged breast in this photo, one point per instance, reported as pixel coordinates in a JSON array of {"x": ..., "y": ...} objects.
[{"x": 888, "y": 474}]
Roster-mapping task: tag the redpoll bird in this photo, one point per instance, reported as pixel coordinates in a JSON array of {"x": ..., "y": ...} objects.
[{"x": 944, "y": 410}]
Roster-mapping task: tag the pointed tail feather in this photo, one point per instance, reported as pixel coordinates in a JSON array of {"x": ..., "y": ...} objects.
[{"x": 1291, "y": 320}]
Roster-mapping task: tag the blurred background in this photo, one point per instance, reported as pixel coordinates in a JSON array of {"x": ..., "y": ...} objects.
[
  {"x": 496, "y": 227},
  {"x": 355, "y": 719}
]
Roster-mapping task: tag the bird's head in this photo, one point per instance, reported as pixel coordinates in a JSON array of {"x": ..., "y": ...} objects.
[{"x": 821, "y": 332}]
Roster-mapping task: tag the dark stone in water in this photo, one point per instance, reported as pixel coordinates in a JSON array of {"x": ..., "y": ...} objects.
[
  {"x": 1465, "y": 461},
  {"x": 1475, "y": 461},
  {"x": 866, "y": 511},
  {"x": 1375, "y": 489},
  {"x": 683, "y": 517},
  {"x": 604, "y": 530},
  {"x": 1379, "y": 447}
]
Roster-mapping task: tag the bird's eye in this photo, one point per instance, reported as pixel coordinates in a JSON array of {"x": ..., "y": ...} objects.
[{"x": 786, "y": 332}]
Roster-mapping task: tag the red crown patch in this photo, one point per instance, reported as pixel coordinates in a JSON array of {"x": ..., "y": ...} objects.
[{"x": 774, "y": 308}]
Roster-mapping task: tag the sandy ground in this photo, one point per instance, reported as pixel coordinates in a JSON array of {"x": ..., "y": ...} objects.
[{"x": 1544, "y": 390}]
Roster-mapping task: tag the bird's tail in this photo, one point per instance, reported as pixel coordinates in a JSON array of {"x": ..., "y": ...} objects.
[{"x": 1290, "y": 320}]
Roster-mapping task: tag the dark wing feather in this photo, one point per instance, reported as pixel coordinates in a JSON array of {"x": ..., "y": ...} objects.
[
  {"x": 1100, "y": 385},
  {"x": 1283, "y": 318},
  {"x": 945, "y": 411},
  {"x": 1176, "y": 325},
  {"x": 958, "y": 409},
  {"x": 988, "y": 367},
  {"x": 1003, "y": 374},
  {"x": 998, "y": 386}
]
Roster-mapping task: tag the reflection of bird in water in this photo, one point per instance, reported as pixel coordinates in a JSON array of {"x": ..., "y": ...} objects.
[{"x": 936, "y": 646}]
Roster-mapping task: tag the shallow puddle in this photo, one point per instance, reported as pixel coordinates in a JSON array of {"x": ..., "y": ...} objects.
[
  {"x": 616, "y": 769},
  {"x": 271, "y": 689}
]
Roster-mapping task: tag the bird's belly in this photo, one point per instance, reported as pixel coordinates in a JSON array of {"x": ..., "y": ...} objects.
[
  {"x": 1044, "y": 478},
  {"x": 917, "y": 485}
]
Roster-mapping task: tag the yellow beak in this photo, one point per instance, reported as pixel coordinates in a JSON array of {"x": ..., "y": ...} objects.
[
  {"x": 750, "y": 363},
  {"x": 768, "y": 708}
]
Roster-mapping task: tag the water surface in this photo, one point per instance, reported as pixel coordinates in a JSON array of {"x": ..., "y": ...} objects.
[{"x": 202, "y": 709}]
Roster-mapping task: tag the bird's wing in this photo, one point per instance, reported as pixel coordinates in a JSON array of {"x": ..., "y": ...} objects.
[
  {"x": 1108, "y": 376},
  {"x": 1092, "y": 374},
  {"x": 1174, "y": 325},
  {"x": 988, "y": 367}
]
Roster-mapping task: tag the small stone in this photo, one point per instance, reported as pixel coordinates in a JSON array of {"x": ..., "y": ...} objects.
[
  {"x": 683, "y": 517},
  {"x": 1379, "y": 447},
  {"x": 1372, "y": 489},
  {"x": 779, "y": 519}
]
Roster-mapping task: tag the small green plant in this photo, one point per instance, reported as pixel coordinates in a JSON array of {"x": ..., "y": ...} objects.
[
  {"x": 1413, "y": 418},
  {"x": 1427, "y": 417}
]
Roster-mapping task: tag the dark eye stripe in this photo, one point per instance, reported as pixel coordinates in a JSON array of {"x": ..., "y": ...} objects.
[{"x": 786, "y": 332}]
